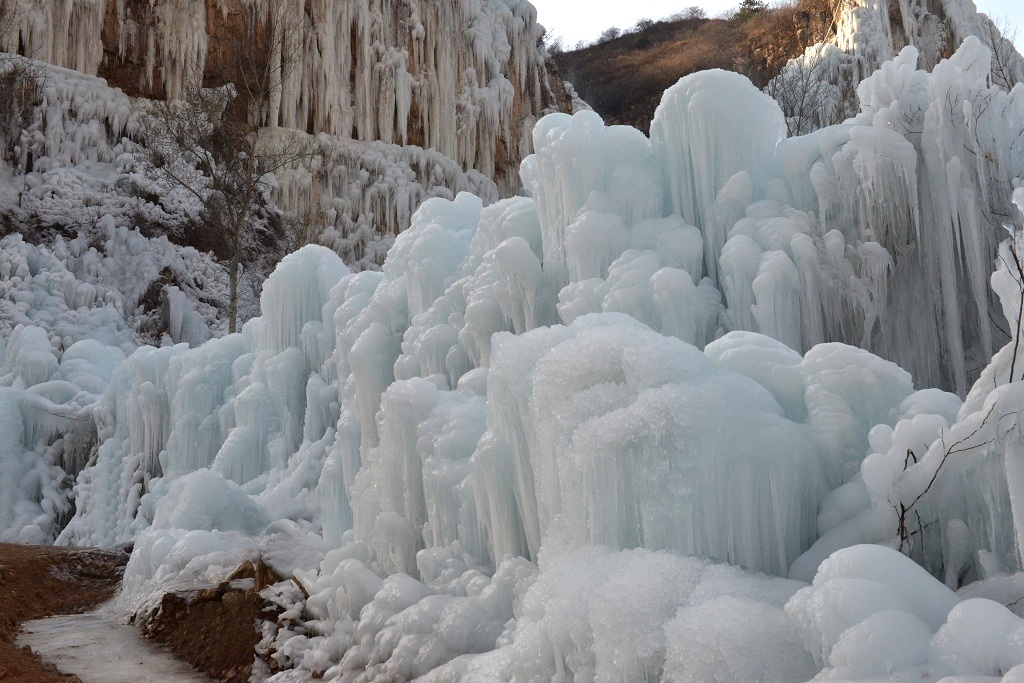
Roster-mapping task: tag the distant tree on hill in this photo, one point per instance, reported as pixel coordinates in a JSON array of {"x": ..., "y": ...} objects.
[
  {"x": 690, "y": 14},
  {"x": 747, "y": 9},
  {"x": 608, "y": 35}
]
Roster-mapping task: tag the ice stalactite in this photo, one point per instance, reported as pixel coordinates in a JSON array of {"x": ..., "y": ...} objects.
[
  {"x": 176, "y": 42},
  {"x": 77, "y": 165},
  {"x": 355, "y": 197},
  {"x": 78, "y": 119},
  {"x": 369, "y": 71},
  {"x": 63, "y": 33},
  {"x": 864, "y": 31}
]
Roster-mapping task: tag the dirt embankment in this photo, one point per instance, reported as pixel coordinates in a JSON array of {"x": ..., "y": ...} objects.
[
  {"x": 41, "y": 581},
  {"x": 214, "y": 628}
]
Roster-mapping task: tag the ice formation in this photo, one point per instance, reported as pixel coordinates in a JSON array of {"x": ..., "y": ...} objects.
[
  {"x": 648, "y": 423},
  {"x": 77, "y": 165},
  {"x": 466, "y": 78},
  {"x": 818, "y": 88}
]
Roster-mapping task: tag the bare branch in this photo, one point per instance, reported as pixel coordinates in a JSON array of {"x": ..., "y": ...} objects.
[{"x": 208, "y": 142}]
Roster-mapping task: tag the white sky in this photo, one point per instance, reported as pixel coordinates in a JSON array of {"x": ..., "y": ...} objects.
[{"x": 577, "y": 20}]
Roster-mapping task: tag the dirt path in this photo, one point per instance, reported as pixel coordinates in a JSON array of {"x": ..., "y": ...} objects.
[
  {"x": 98, "y": 648},
  {"x": 39, "y": 581},
  {"x": 211, "y": 627}
]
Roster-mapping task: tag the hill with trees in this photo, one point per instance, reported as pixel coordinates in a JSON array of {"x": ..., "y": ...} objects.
[{"x": 623, "y": 74}]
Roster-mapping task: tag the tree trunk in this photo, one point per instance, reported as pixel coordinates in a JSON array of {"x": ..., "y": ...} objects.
[
  {"x": 233, "y": 285},
  {"x": 236, "y": 248}
]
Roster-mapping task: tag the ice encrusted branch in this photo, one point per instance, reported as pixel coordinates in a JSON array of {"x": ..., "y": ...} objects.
[{"x": 904, "y": 510}]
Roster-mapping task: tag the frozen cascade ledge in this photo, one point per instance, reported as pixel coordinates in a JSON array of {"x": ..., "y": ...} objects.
[{"x": 98, "y": 648}]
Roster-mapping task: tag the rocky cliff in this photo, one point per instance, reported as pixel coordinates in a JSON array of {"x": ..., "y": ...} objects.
[{"x": 466, "y": 78}]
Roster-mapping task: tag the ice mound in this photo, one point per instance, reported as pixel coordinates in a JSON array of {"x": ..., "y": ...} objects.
[
  {"x": 205, "y": 500},
  {"x": 601, "y": 615},
  {"x": 618, "y": 453},
  {"x": 873, "y": 613}
]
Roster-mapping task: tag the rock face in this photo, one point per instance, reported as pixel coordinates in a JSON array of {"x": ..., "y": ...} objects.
[
  {"x": 466, "y": 78},
  {"x": 875, "y": 31}
]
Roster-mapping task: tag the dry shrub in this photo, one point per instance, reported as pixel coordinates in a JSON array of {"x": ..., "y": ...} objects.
[{"x": 774, "y": 37}]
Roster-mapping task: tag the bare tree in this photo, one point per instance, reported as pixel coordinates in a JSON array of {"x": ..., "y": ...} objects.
[
  {"x": 208, "y": 142},
  {"x": 810, "y": 96},
  {"x": 998, "y": 35}
]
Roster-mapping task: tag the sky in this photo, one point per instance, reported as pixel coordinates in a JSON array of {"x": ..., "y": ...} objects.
[{"x": 576, "y": 20}]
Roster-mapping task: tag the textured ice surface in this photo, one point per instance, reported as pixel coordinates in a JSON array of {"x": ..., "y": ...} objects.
[
  {"x": 466, "y": 77},
  {"x": 558, "y": 436}
]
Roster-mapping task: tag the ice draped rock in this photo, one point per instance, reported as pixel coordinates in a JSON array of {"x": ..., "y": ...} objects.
[
  {"x": 368, "y": 71},
  {"x": 77, "y": 165}
]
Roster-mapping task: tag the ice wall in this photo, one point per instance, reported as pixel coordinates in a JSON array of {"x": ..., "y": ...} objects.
[
  {"x": 81, "y": 163},
  {"x": 559, "y": 435},
  {"x": 369, "y": 71},
  {"x": 874, "y": 31},
  {"x": 928, "y": 158},
  {"x": 586, "y": 245},
  {"x": 943, "y": 482},
  {"x": 818, "y": 88}
]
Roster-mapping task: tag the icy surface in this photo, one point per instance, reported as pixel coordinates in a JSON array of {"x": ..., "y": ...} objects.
[{"x": 99, "y": 649}]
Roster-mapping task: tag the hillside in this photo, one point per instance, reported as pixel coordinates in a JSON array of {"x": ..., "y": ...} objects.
[{"x": 623, "y": 78}]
